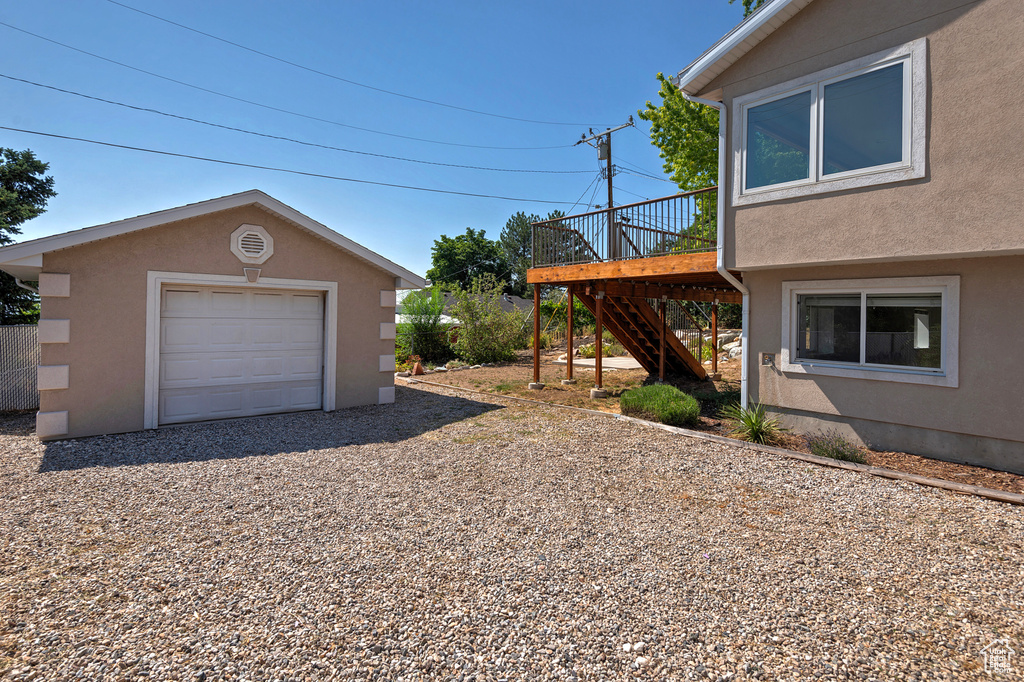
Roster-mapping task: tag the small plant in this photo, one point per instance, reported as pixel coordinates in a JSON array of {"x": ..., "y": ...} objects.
[
  {"x": 661, "y": 402},
  {"x": 753, "y": 424},
  {"x": 545, "y": 341},
  {"x": 833, "y": 445},
  {"x": 454, "y": 364}
]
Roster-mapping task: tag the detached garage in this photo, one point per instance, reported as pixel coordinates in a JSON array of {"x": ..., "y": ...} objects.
[{"x": 233, "y": 307}]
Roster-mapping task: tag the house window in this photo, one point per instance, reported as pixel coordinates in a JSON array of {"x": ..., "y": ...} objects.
[
  {"x": 853, "y": 125},
  {"x": 899, "y": 329}
]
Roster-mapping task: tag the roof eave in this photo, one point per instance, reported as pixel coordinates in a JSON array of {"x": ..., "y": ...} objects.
[{"x": 736, "y": 43}]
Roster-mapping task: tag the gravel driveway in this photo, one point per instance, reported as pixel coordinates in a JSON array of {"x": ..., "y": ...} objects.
[{"x": 457, "y": 537}]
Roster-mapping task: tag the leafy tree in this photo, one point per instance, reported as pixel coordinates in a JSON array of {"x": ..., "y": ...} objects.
[
  {"x": 423, "y": 333},
  {"x": 687, "y": 132},
  {"x": 749, "y": 6},
  {"x": 24, "y": 191},
  {"x": 486, "y": 332},
  {"x": 517, "y": 243},
  {"x": 687, "y": 135},
  {"x": 458, "y": 261}
]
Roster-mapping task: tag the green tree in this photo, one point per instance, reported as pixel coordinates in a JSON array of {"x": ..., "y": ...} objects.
[
  {"x": 24, "y": 191},
  {"x": 517, "y": 244},
  {"x": 749, "y": 6},
  {"x": 422, "y": 332},
  {"x": 686, "y": 133},
  {"x": 458, "y": 261}
]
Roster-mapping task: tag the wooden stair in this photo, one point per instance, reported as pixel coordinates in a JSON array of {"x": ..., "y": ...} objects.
[{"x": 636, "y": 325}]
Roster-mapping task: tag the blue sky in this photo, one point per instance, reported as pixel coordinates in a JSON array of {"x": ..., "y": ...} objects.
[{"x": 585, "y": 64}]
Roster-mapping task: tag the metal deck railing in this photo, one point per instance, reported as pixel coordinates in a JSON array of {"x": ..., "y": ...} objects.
[{"x": 683, "y": 223}]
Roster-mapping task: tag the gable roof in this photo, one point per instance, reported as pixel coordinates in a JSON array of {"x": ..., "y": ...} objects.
[
  {"x": 736, "y": 43},
  {"x": 24, "y": 260}
]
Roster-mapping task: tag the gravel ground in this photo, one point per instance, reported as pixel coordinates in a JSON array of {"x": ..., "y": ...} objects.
[{"x": 448, "y": 537}]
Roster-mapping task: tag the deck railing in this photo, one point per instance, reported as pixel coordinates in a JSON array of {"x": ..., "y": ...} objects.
[{"x": 683, "y": 223}]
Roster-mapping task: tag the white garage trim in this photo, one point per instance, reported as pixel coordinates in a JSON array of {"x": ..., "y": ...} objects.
[{"x": 156, "y": 280}]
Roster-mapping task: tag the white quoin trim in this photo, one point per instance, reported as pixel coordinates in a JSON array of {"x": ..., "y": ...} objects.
[
  {"x": 385, "y": 395},
  {"x": 388, "y": 298},
  {"x": 54, "y": 331},
  {"x": 156, "y": 280},
  {"x": 387, "y": 363},
  {"x": 388, "y": 331},
  {"x": 51, "y": 424},
  {"x": 54, "y": 284},
  {"x": 52, "y": 377}
]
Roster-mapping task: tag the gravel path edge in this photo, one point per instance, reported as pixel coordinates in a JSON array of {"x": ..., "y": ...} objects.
[{"x": 881, "y": 472}]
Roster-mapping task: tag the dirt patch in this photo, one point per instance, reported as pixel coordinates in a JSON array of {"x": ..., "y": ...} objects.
[{"x": 513, "y": 379}]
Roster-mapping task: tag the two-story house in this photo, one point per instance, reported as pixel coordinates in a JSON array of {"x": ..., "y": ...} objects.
[{"x": 871, "y": 216}]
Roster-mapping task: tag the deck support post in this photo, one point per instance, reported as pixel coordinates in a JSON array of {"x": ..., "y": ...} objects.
[
  {"x": 536, "y": 385},
  {"x": 663, "y": 310},
  {"x": 598, "y": 390},
  {"x": 568, "y": 380},
  {"x": 714, "y": 337}
]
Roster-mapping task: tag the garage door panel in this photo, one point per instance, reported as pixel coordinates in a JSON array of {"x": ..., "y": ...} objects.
[{"x": 237, "y": 352}]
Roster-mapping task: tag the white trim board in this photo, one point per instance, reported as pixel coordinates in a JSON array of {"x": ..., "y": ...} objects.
[
  {"x": 155, "y": 281},
  {"x": 949, "y": 285},
  {"x": 12, "y": 254}
]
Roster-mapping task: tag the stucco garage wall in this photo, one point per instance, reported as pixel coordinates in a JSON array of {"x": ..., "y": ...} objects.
[
  {"x": 969, "y": 200},
  {"x": 106, "y": 353},
  {"x": 987, "y": 403}
]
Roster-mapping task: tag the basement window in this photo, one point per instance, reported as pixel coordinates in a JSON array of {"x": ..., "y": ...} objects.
[{"x": 899, "y": 329}]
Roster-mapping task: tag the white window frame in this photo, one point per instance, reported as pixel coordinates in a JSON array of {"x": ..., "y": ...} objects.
[
  {"x": 947, "y": 286},
  {"x": 912, "y": 55},
  {"x": 154, "y": 285}
]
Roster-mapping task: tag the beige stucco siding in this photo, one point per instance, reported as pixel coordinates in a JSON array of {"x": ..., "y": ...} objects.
[
  {"x": 987, "y": 402},
  {"x": 107, "y": 309},
  {"x": 969, "y": 201}
]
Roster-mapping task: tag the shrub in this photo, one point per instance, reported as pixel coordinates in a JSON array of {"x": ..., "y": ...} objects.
[
  {"x": 753, "y": 424},
  {"x": 487, "y": 333},
  {"x": 661, "y": 402},
  {"x": 423, "y": 332},
  {"x": 832, "y": 444},
  {"x": 545, "y": 340}
]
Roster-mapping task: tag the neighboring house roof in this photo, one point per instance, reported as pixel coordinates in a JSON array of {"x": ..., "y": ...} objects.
[
  {"x": 25, "y": 259},
  {"x": 736, "y": 43},
  {"x": 507, "y": 302}
]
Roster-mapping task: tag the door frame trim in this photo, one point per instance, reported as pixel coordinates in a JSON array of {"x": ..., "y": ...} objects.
[{"x": 154, "y": 285}]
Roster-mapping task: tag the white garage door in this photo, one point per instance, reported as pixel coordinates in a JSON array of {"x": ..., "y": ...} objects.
[{"x": 230, "y": 352}]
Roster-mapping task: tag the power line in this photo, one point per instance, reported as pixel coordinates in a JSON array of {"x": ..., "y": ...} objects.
[
  {"x": 279, "y": 170},
  {"x": 279, "y": 137},
  {"x": 336, "y": 77},
  {"x": 267, "y": 106},
  {"x": 645, "y": 175},
  {"x": 596, "y": 178}
]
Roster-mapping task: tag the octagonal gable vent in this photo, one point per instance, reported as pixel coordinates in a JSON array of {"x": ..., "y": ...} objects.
[{"x": 252, "y": 244}]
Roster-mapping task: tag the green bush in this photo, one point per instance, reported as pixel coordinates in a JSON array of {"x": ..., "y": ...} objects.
[
  {"x": 753, "y": 424},
  {"x": 487, "y": 333},
  {"x": 545, "y": 341},
  {"x": 832, "y": 445},
  {"x": 423, "y": 333},
  {"x": 661, "y": 402}
]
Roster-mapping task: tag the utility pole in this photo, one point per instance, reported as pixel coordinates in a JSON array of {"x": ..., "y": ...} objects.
[{"x": 603, "y": 143}]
